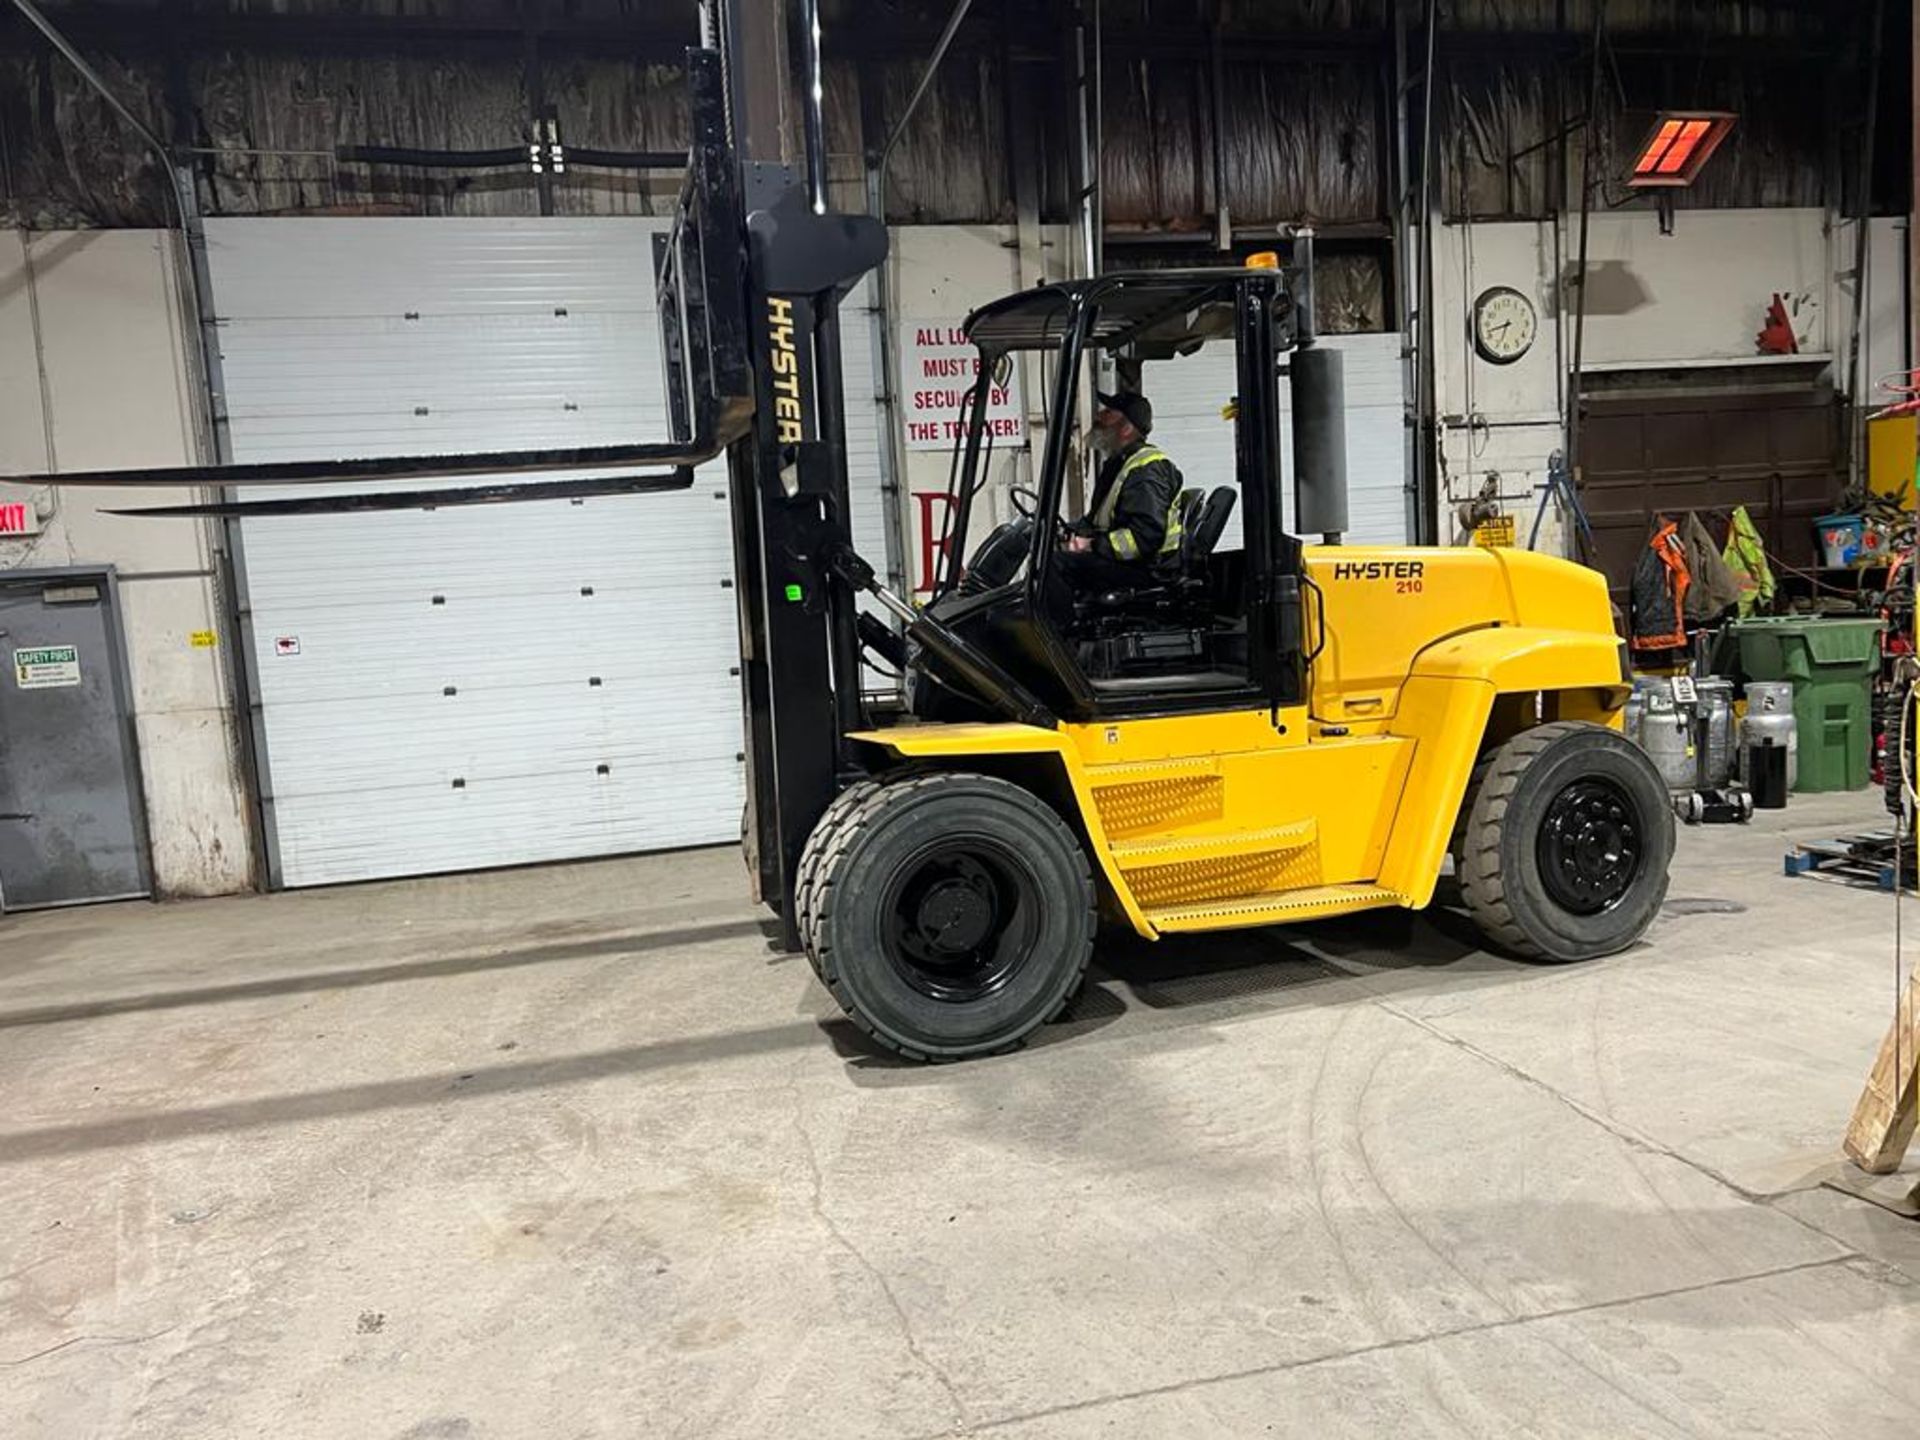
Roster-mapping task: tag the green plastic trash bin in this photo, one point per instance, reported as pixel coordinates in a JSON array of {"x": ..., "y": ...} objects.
[{"x": 1831, "y": 664}]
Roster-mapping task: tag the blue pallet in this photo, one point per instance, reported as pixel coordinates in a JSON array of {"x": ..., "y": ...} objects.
[{"x": 1844, "y": 855}]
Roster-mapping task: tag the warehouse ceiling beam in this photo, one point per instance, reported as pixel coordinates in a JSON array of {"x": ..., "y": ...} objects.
[
  {"x": 506, "y": 158},
  {"x": 658, "y": 39},
  {"x": 121, "y": 29},
  {"x": 1194, "y": 42}
]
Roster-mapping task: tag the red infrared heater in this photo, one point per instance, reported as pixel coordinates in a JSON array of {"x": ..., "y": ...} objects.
[{"x": 1677, "y": 145}]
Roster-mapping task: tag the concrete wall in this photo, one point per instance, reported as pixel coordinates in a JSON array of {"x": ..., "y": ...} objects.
[
  {"x": 1695, "y": 298},
  {"x": 92, "y": 377}
]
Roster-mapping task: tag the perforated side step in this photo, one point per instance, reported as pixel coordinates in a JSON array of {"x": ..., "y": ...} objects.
[
  {"x": 1133, "y": 854},
  {"x": 1281, "y": 906}
]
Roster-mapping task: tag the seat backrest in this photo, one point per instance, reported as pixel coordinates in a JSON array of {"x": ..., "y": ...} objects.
[
  {"x": 1187, "y": 507},
  {"x": 1171, "y": 564},
  {"x": 1205, "y": 528}
]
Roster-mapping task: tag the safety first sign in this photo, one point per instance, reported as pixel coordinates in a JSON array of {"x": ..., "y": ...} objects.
[
  {"x": 938, "y": 366},
  {"x": 46, "y": 669}
]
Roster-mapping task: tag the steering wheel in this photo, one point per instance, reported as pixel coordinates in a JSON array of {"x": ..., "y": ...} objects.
[
  {"x": 999, "y": 557},
  {"x": 1026, "y": 504}
]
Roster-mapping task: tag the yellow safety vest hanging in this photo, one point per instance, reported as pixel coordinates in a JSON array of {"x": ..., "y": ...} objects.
[{"x": 1122, "y": 540}]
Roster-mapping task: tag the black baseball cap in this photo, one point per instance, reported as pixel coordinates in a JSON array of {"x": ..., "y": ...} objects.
[{"x": 1137, "y": 408}]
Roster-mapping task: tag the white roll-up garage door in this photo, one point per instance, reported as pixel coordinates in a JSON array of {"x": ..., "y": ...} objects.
[
  {"x": 1188, "y": 394},
  {"x": 459, "y": 689}
]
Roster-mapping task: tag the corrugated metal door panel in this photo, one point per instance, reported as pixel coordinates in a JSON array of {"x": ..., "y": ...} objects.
[
  {"x": 492, "y": 267},
  {"x": 464, "y": 645},
  {"x": 1188, "y": 394},
  {"x": 575, "y": 813}
]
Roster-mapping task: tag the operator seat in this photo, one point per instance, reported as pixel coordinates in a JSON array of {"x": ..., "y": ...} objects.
[
  {"x": 1203, "y": 524},
  {"x": 1171, "y": 632},
  {"x": 1183, "y": 584},
  {"x": 1203, "y": 533}
]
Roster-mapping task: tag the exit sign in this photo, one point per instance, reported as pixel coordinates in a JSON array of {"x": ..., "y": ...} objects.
[{"x": 17, "y": 518}]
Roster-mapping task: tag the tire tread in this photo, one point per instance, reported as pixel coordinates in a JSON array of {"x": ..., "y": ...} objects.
[
  {"x": 853, "y": 813},
  {"x": 1483, "y": 883}
]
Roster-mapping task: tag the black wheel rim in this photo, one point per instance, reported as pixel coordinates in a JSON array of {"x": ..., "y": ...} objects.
[
  {"x": 961, "y": 917},
  {"x": 1591, "y": 846}
]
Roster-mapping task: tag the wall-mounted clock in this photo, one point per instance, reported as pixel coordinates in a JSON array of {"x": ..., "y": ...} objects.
[{"x": 1503, "y": 325}]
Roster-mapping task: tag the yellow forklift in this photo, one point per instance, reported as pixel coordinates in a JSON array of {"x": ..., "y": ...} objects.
[{"x": 1267, "y": 733}]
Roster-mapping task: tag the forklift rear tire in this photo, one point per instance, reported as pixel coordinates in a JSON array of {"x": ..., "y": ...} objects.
[
  {"x": 1567, "y": 843},
  {"x": 951, "y": 915}
]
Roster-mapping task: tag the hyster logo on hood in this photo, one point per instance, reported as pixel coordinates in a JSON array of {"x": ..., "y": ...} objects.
[{"x": 1378, "y": 569}]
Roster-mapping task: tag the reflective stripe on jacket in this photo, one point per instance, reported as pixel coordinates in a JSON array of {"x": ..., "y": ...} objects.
[{"x": 1137, "y": 516}]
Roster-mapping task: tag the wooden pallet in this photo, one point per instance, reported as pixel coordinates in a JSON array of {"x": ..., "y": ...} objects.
[{"x": 1868, "y": 857}]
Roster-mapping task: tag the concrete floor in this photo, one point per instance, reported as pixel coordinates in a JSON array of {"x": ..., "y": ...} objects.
[{"x": 567, "y": 1152}]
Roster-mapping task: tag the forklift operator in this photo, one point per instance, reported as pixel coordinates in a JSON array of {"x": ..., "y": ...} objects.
[{"x": 1134, "y": 518}]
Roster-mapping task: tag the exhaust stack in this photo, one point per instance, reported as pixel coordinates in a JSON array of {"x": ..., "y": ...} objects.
[{"x": 1319, "y": 394}]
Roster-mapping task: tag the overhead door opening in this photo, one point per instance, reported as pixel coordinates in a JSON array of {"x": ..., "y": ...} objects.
[{"x": 461, "y": 689}]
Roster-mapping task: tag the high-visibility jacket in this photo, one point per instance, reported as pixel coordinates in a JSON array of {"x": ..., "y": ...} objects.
[
  {"x": 1746, "y": 556},
  {"x": 1136, "y": 506}
]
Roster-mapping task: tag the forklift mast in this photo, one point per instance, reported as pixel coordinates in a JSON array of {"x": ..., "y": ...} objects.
[{"x": 799, "y": 643}]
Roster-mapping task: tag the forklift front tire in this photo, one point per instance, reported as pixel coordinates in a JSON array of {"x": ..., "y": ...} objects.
[
  {"x": 1566, "y": 845},
  {"x": 950, "y": 915},
  {"x": 809, "y": 882}
]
